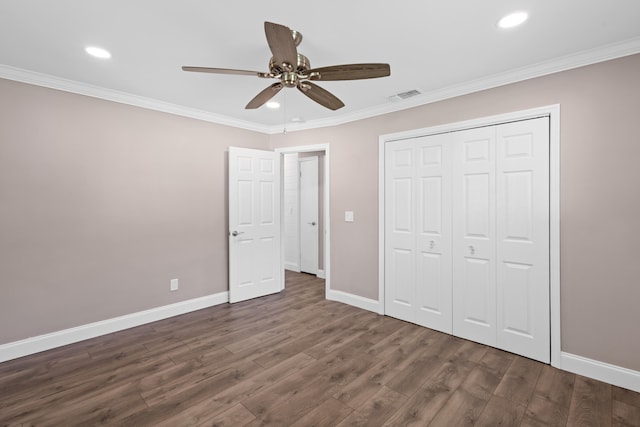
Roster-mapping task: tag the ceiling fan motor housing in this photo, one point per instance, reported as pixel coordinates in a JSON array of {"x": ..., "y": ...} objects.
[{"x": 302, "y": 67}]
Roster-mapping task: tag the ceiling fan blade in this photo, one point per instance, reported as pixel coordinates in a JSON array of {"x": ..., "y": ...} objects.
[
  {"x": 264, "y": 96},
  {"x": 282, "y": 44},
  {"x": 350, "y": 72},
  {"x": 223, "y": 71},
  {"x": 320, "y": 95}
]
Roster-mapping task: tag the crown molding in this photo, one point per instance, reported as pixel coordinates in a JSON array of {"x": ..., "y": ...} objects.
[
  {"x": 579, "y": 59},
  {"x": 568, "y": 62},
  {"x": 58, "y": 83}
]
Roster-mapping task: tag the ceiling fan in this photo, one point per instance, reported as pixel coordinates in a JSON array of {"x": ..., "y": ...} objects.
[{"x": 293, "y": 69}]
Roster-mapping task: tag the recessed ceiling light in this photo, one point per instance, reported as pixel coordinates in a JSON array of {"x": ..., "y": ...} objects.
[
  {"x": 273, "y": 104},
  {"x": 97, "y": 52},
  {"x": 513, "y": 20}
]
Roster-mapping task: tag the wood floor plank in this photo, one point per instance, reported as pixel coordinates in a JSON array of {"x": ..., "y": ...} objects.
[
  {"x": 422, "y": 407},
  {"x": 297, "y": 395},
  {"x": 264, "y": 380},
  {"x": 364, "y": 387},
  {"x": 411, "y": 378},
  {"x": 297, "y": 345},
  {"x": 481, "y": 382},
  {"x": 396, "y": 341},
  {"x": 497, "y": 361},
  {"x": 354, "y": 328},
  {"x": 377, "y": 410},
  {"x": 235, "y": 416},
  {"x": 551, "y": 398},
  {"x": 98, "y": 408},
  {"x": 462, "y": 409},
  {"x": 66, "y": 390},
  {"x": 501, "y": 412},
  {"x": 329, "y": 413},
  {"x": 543, "y": 412},
  {"x": 627, "y": 396},
  {"x": 197, "y": 378},
  {"x": 520, "y": 380},
  {"x": 625, "y": 415},
  {"x": 295, "y": 358},
  {"x": 590, "y": 404},
  {"x": 192, "y": 402}
]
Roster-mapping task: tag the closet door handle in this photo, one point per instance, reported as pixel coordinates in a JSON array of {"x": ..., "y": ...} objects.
[
  {"x": 472, "y": 250},
  {"x": 432, "y": 244}
]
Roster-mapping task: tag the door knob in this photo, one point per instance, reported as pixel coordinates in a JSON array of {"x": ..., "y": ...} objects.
[
  {"x": 312, "y": 223},
  {"x": 432, "y": 244},
  {"x": 472, "y": 250},
  {"x": 235, "y": 233}
]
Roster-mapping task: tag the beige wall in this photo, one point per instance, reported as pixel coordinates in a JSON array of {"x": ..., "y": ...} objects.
[
  {"x": 101, "y": 205},
  {"x": 600, "y": 201}
]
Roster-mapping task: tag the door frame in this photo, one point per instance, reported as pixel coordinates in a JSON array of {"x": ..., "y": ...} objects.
[
  {"x": 325, "y": 211},
  {"x": 551, "y": 111}
]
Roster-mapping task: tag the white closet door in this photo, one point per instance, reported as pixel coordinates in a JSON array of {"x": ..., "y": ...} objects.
[
  {"x": 467, "y": 234},
  {"x": 433, "y": 232},
  {"x": 400, "y": 230},
  {"x": 474, "y": 235},
  {"x": 523, "y": 238}
]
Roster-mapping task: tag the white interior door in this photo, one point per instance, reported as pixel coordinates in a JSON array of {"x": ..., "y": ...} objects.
[
  {"x": 291, "y": 211},
  {"x": 400, "y": 230},
  {"x": 523, "y": 323},
  {"x": 474, "y": 235},
  {"x": 254, "y": 224},
  {"x": 309, "y": 214},
  {"x": 418, "y": 236},
  {"x": 433, "y": 232}
]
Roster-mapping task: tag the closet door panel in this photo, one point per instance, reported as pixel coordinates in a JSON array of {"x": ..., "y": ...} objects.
[
  {"x": 523, "y": 238},
  {"x": 474, "y": 271},
  {"x": 400, "y": 230},
  {"x": 433, "y": 239}
]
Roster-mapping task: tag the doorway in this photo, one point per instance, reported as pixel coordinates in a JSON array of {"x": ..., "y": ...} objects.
[{"x": 295, "y": 244}]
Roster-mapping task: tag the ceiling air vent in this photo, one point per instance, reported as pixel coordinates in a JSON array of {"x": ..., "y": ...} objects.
[{"x": 405, "y": 95}]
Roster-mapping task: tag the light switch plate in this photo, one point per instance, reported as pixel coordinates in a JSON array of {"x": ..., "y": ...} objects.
[{"x": 348, "y": 216}]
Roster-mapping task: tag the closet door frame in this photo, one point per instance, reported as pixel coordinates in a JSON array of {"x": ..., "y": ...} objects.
[{"x": 551, "y": 111}]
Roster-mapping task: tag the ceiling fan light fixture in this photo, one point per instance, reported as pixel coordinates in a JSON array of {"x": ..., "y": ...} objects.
[
  {"x": 97, "y": 52},
  {"x": 273, "y": 105},
  {"x": 513, "y": 20}
]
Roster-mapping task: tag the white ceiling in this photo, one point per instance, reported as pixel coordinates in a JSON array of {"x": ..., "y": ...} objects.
[{"x": 441, "y": 47}]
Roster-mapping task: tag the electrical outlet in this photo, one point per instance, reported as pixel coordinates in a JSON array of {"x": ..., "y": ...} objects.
[
  {"x": 174, "y": 285},
  {"x": 348, "y": 216}
]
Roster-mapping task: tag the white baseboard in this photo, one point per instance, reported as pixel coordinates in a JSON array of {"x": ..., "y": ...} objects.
[
  {"x": 16, "y": 349},
  {"x": 321, "y": 274},
  {"x": 612, "y": 374},
  {"x": 292, "y": 266},
  {"x": 354, "y": 300}
]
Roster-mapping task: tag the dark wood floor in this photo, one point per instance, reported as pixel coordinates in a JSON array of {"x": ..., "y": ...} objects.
[{"x": 296, "y": 359}]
